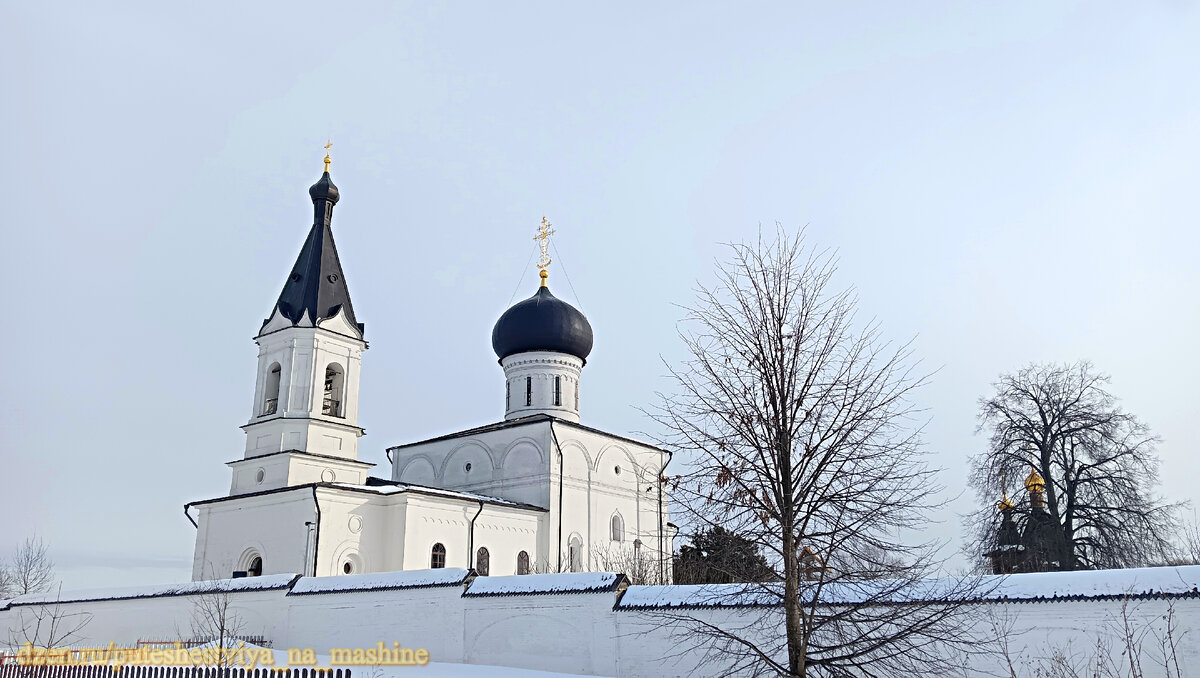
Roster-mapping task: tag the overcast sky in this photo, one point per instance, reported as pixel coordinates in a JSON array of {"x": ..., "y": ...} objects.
[{"x": 1003, "y": 182}]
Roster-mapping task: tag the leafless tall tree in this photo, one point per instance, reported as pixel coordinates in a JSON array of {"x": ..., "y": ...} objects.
[
  {"x": 799, "y": 432},
  {"x": 30, "y": 570},
  {"x": 1098, "y": 462}
]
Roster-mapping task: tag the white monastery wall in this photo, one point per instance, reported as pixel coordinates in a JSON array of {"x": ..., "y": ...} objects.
[{"x": 574, "y": 622}]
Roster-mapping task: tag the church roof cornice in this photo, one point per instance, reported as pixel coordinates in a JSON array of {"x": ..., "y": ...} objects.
[
  {"x": 526, "y": 421},
  {"x": 301, "y": 453},
  {"x": 401, "y": 488}
]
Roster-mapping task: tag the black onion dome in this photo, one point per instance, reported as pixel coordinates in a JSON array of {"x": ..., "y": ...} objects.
[
  {"x": 542, "y": 322},
  {"x": 324, "y": 190}
]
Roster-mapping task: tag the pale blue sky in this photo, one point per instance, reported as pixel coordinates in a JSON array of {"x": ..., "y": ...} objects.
[{"x": 1007, "y": 182}]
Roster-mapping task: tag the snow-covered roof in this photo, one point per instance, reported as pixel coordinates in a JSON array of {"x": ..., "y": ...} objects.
[
  {"x": 265, "y": 583},
  {"x": 381, "y": 581},
  {"x": 388, "y": 487},
  {"x": 527, "y": 584},
  {"x": 1151, "y": 582},
  {"x": 696, "y": 595},
  {"x": 1140, "y": 582}
]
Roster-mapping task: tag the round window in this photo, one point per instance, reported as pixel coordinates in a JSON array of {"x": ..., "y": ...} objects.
[
  {"x": 348, "y": 567},
  {"x": 617, "y": 470},
  {"x": 260, "y": 475},
  {"x": 328, "y": 476},
  {"x": 468, "y": 467}
]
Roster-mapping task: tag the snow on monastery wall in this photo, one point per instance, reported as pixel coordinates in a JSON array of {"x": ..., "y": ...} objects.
[{"x": 592, "y": 623}]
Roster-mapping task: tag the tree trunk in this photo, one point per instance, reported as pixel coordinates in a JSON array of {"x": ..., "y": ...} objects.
[{"x": 791, "y": 606}]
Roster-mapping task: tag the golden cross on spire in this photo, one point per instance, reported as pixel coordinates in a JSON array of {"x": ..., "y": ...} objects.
[
  {"x": 328, "y": 145},
  {"x": 543, "y": 238}
]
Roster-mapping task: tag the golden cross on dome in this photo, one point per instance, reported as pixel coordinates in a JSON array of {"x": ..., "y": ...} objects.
[
  {"x": 328, "y": 145},
  {"x": 543, "y": 238}
]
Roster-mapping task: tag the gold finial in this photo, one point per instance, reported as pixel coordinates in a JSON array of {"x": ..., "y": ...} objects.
[
  {"x": 543, "y": 238},
  {"x": 328, "y": 145}
]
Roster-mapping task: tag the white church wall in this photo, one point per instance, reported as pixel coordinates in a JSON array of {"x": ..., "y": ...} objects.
[
  {"x": 594, "y": 490},
  {"x": 272, "y": 525},
  {"x": 510, "y": 463},
  {"x": 504, "y": 531},
  {"x": 587, "y": 634}
]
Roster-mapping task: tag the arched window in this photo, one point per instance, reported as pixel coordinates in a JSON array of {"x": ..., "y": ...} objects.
[
  {"x": 523, "y": 562},
  {"x": 255, "y": 568},
  {"x": 335, "y": 380},
  {"x": 271, "y": 392},
  {"x": 558, "y": 391},
  {"x": 618, "y": 527},
  {"x": 577, "y": 396},
  {"x": 575, "y": 554},
  {"x": 483, "y": 562},
  {"x": 437, "y": 557},
  {"x": 528, "y": 391}
]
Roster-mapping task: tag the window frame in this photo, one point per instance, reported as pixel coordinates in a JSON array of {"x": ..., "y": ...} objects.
[{"x": 483, "y": 561}]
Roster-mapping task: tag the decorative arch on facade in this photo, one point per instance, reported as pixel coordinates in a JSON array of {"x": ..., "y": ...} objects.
[
  {"x": 454, "y": 469},
  {"x": 347, "y": 553},
  {"x": 419, "y": 470},
  {"x": 521, "y": 443},
  {"x": 576, "y": 456},
  {"x": 614, "y": 455},
  {"x": 522, "y": 458},
  {"x": 251, "y": 560}
]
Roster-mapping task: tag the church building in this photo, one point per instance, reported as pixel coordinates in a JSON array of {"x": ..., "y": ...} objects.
[{"x": 537, "y": 491}]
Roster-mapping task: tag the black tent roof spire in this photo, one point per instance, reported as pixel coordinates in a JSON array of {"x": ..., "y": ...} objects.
[{"x": 316, "y": 287}]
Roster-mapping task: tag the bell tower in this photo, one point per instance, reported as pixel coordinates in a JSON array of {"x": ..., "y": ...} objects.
[{"x": 310, "y": 354}]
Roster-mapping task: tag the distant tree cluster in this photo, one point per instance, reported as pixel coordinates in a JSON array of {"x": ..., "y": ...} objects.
[
  {"x": 718, "y": 556},
  {"x": 1078, "y": 473}
]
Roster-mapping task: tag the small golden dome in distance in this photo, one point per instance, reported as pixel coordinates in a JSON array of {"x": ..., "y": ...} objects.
[
  {"x": 1034, "y": 482},
  {"x": 1004, "y": 504}
]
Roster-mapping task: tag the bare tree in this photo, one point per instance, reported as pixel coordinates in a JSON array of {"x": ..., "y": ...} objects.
[
  {"x": 46, "y": 626},
  {"x": 215, "y": 621},
  {"x": 30, "y": 570},
  {"x": 1188, "y": 549},
  {"x": 1098, "y": 463},
  {"x": 799, "y": 434},
  {"x": 638, "y": 564}
]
